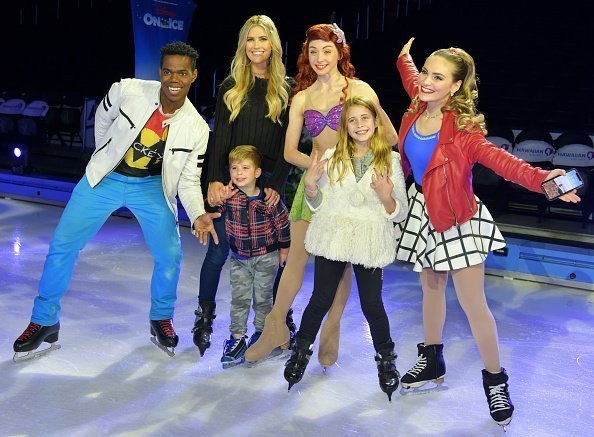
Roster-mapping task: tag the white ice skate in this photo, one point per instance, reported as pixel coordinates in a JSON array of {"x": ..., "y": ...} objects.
[{"x": 423, "y": 387}]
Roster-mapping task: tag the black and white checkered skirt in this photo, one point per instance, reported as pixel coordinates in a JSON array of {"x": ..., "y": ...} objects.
[{"x": 461, "y": 246}]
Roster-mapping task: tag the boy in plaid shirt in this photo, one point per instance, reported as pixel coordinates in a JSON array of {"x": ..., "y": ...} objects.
[{"x": 259, "y": 239}]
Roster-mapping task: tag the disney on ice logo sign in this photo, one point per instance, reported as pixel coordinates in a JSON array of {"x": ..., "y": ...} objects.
[{"x": 164, "y": 19}]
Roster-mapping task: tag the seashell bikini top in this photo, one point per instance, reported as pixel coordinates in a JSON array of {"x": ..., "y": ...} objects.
[{"x": 316, "y": 122}]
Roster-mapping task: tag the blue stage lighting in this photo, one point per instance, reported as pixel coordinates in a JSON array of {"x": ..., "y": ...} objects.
[{"x": 19, "y": 159}]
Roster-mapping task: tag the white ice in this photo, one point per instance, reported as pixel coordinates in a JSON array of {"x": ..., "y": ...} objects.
[{"x": 109, "y": 379}]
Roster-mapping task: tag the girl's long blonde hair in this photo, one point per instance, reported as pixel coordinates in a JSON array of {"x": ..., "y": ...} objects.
[
  {"x": 340, "y": 162},
  {"x": 278, "y": 92},
  {"x": 463, "y": 102}
]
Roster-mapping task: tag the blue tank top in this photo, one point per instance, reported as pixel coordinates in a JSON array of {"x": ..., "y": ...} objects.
[{"x": 418, "y": 149}]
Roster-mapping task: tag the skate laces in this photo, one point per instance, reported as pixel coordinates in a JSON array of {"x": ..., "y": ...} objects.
[
  {"x": 232, "y": 345},
  {"x": 419, "y": 366},
  {"x": 498, "y": 399},
  {"x": 167, "y": 327},
  {"x": 31, "y": 329}
]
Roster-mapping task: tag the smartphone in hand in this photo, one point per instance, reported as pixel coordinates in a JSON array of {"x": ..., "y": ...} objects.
[{"x": 562, "y": 184}]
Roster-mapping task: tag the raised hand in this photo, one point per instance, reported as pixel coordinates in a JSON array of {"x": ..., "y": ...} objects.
[
  {"x": 382, "y": 184},
  {"x": 314, "y": 172},
  {"x": 227, "y": 191},
  {"x": 406, "y": 48}
]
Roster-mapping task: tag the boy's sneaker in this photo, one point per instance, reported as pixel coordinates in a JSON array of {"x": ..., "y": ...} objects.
[
  {"x": 233, "y": 351},
  {"x": 254, "y": 338}
]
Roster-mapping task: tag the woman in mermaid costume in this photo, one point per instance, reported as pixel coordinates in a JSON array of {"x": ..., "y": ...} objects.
[{"x": 325, "y": 79}]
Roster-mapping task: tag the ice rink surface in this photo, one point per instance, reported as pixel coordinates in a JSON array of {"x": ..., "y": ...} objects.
[{"x": 109, "y": 379}]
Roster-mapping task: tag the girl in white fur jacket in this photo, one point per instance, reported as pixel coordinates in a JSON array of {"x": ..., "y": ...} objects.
[{"x": 357, "y": 191}]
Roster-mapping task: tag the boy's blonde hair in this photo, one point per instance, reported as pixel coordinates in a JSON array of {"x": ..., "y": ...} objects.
[{"x": 245, "y": 152}]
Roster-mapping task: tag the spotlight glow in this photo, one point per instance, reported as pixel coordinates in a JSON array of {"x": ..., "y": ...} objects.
[{"x": 17, "y": 152}]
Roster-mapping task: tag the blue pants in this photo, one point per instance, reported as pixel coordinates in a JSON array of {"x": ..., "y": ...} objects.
[
  {"x": 86, "y": 211},
  {"x": 214, "y": 260}
]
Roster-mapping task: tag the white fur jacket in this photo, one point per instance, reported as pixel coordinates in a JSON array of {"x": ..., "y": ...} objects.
[{"x": 351, "y": 224}]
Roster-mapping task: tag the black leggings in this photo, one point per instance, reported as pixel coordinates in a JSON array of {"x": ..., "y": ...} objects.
[{"x": 327, "y": 275}]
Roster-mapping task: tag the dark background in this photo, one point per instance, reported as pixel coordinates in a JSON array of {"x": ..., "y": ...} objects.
[{"x": 534, "y": 62}]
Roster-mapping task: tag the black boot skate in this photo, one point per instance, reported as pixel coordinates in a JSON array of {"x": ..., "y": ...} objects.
[
  {"x": 292, "y": 328},
  {"x": 295, "y": 366},
  {"x": 164, "y": 336},
  {"x": 428, "y": 372},
  {"x": 386, "y": 369},
  {"x": 203, "y": 325},
  {"x": 497, "y": 392},
  {"x": 31, "y": 339}
]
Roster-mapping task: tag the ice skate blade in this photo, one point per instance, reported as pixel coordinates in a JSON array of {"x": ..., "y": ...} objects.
[
  {"x": 430, "y": 387},
  {"x": 168, "y": 351},
  {"x": 34, "y": 354},
  {"x": 276, "y": 353},
  {"x": 504, "y": 425},
  {"x": 230, "y": 364}
]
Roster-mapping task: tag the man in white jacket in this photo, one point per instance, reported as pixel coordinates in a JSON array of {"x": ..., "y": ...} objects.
[{"x": 150, "y": 148}]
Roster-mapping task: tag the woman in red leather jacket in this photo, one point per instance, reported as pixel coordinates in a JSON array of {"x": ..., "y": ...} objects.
[{"x": 448, "y": 229}]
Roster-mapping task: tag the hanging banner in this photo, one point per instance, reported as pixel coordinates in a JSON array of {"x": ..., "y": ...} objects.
[{"x": 156, "y": 23}]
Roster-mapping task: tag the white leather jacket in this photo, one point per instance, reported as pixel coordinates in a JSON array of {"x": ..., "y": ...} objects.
[{"x": 120, "y": 117}]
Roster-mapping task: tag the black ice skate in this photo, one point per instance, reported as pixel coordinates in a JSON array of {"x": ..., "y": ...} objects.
[
  {"x": 386, "y": 369},
  {"x": 292, "y": 328},
  {"x": 497, "y": 392},
  {"x": 295, "y": 366},
  {"x": 428, "y": 373},
  {"x": 202, "y": 329},
  {"x": 164, "y": 336},
  {"x": 32, "y": 338}
]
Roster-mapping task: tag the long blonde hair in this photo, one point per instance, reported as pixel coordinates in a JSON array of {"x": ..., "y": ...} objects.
[
  {"x": 340, "y": 161},
  {"x": 277, "y": 94},
  {"x": 463, "y": 102}
]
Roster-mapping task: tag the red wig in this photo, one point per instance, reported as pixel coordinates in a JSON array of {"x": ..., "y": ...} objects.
[{"x": 325, "y": 32}]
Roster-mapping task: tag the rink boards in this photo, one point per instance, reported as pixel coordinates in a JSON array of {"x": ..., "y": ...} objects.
[{"x": 544, "y": 262}]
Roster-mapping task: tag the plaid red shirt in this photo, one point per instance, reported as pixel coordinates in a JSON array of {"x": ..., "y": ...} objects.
[{"x": 252, "y": 227}]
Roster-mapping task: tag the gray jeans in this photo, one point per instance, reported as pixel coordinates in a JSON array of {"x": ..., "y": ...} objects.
[{"x": 251, "y": 278}]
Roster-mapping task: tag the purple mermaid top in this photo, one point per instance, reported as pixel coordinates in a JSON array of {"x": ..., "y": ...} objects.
[{"x": 315, "y": 121}]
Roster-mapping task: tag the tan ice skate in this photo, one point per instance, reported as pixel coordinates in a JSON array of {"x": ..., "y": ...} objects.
[
  {"x": 329, "y": 341},
  {"x": 275, "y": 334}
]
